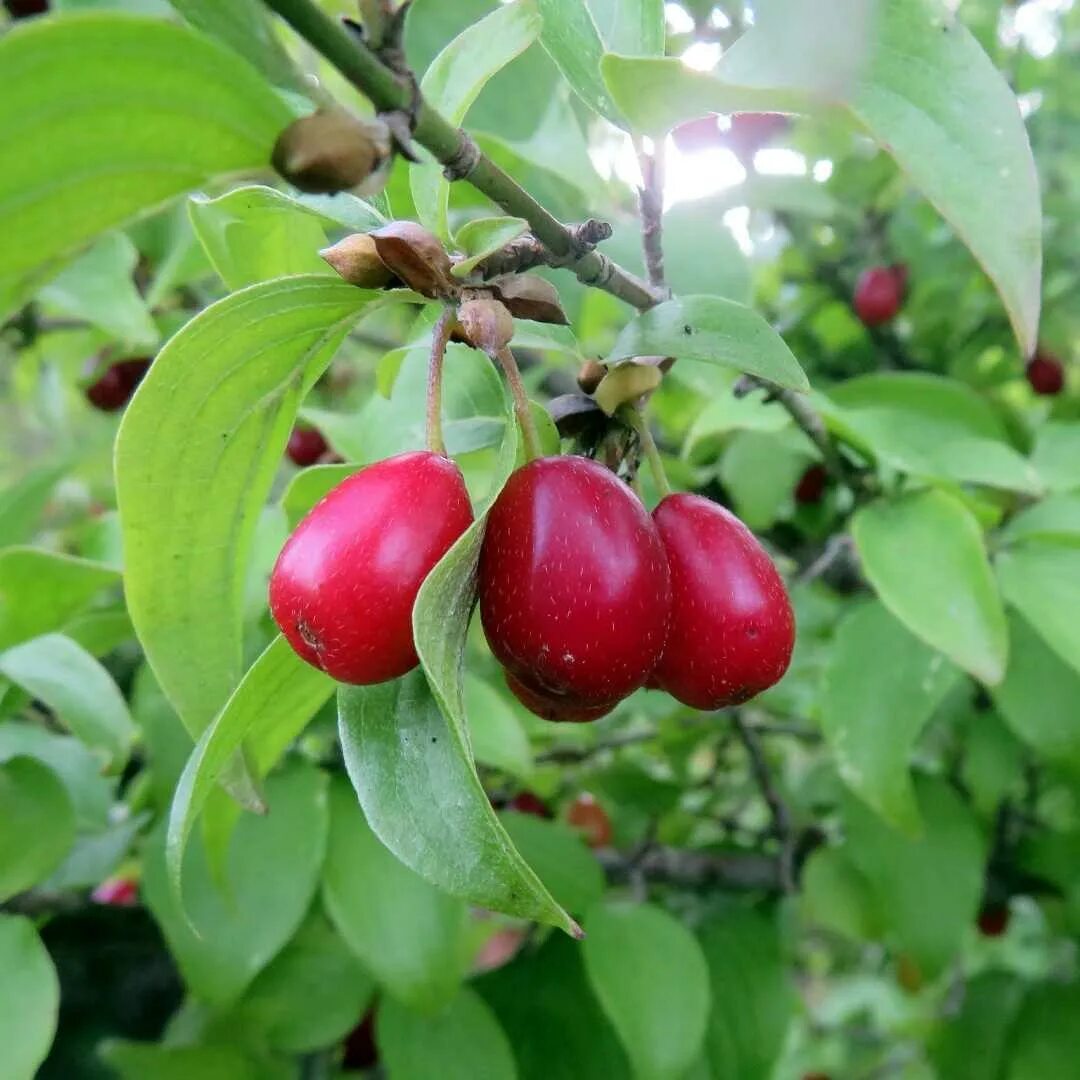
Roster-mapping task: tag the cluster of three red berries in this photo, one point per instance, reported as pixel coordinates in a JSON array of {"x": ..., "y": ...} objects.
[{"x": 584, "y": 597}]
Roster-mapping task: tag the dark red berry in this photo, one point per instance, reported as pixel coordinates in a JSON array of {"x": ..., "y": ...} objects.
[
  {"x": 1045, "y": 374},
  {"x": 23, "y": 9},
  {"x": 344, "y": 585},
  {"x": 749, "y": 132},
  {"x": 590, "y": 819},
  {"x": 811, "y": 485},
  {"x": 879, "y": 293},
  {"x": 732, "y": 628},
  {"x": 305, "y": 446},
  {"x": 117, "y": 892},
  {"x": 993, "y": 920},
  {"x": 361, "y": 1052},
  {"x": 574, "y": 590},
  {"x": 526, "y": 802},
  {"x": 559, "y": 710},
  {"x": 698, "y": 134},
  {"x": 113, "y": 388}
]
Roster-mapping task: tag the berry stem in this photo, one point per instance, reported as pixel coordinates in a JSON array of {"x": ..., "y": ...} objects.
[
  {"x": 636, "y": 420},
  {"x": 521, "y": 403},
  {"x": 440, "y": 336}
]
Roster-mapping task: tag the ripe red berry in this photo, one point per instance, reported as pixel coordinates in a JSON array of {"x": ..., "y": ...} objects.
[
  {"x": 1045, "y": 374},
  {"x": 574, "y": 589},
  {"x": 526, "y": 802},
  {"x": 879, "y": 293},
  {"x": 344, "y": 585},
  {"x": 305, "y": 446},
  {"x": 587, "y": 816},
  {"x": 117, "y": 892},
  {"x": 698, "y": 134},
  {"x": 993, "y": 920},
  {"x": 560, "y": 710},
  {"x": 113, "y": 388},
  {"x": 811, "y": 485},
  {"x": 732, "y": 628}
]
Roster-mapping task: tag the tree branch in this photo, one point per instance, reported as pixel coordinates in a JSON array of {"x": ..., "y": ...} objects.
[
  {"x": 734, "y": 870},
  {"x": 651, "y": 209}
]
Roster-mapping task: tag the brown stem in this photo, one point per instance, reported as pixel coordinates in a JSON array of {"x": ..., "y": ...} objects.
[
  {"x": 651, "y": 209},
  {"x": 439, "y": 337},
  {"x": 521, "y": 403}
]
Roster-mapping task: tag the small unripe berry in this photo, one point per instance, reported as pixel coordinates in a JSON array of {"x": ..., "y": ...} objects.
[
  {"x": 305, "y": 446},
  {"x": 1045, "y": 374}
]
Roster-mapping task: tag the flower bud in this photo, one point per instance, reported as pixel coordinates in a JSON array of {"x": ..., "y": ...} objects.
[
  {"x": 486, "y": 324},
  {"x": 331, "y": 150},
  {"x": 356, "y": 259},
  {"x": 416, "y": 256}
]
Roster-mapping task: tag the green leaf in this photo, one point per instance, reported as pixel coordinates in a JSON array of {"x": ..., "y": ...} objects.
[
  {"x": 836, "y": 896},
  {"x": 461, "y": 1042},
  {"x": 29, "y": 998},
  {"x": 78, "y": 689},
  {"x": 125, "y": 113},
  {"x": 760, "y": 470},
  {"x": 975, "y": 1043},
  {"x": 311, "y": 994},
  {"x": 308, "y": 486},
  {"x": 924, "y": 555},
  {"x": 42, "y": 590},
  {"x": 408, "y": 934},
  {"x": 454, "y": 81},
  {"x": 634, "y": 27},
  {"x": 1044, "y": 1041},
  {"x": 195, "y": 458},
  {"x": 39, "y": 824},
  {"x": 940, "y": 872},
  {"x": 898, "y": 69},
  {"x": 713, "y": 330},
  {"x": 752, "y": 999},
  {"x": 138, "y": 1061},
  {"x": 98, "y": 288},
  {"x": 483, "y": 237},
  {"x": 1056, "y": 456},
  {"x": 1038, "y": 696},
  {"x": 572, "y": 40},
  {"x": 273, "y": 703},
  {"x": 879, "y": 688},
  {"x": 496, "y": 734},
  {"x": 649, "y": 974},
  {"x": 560, "y": 857},
  {"x": 1053, "y": 518},
  {"x": 1042, "y": 581},
  {"x": 227, "y": 932},
  {"x": 23, "y": 502}
]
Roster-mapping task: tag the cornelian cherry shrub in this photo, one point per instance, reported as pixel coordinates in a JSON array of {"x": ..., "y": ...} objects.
[{"x": 539, "y": 539}]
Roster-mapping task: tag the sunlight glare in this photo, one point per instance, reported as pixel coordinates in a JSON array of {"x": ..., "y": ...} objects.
[
  {"x": 779, "y": 161},
  {"x": 702, "y": 55},
  {"x": 701, "y": 173}
]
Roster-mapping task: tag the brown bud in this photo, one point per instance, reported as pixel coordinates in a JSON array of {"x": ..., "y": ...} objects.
[
  {"x": 626, "y": 382},
  {"x": 486, "y": 324},
  {"x": 530, "y": 297},
  {"x": 416, "y": 256},
  {"x": 590, "y": 375},
  {"x": 357, "y": 261},
  {"x": 574, "y": 414},
  {"x": 330, "y": 150}
]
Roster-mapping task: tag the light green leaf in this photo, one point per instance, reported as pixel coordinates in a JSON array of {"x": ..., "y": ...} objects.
[
  {"x": 308, "y": 486},
  {"x": 195, "y": 458},
  {"x": 22, "y": 503},
  {"x": 228, "y": 931},
  {"x": 273, "y": 703},
  {"x": 495, "y": 732},
  {"x": 1038, "y": 696},
  {"x": 41, "y": 590},
  {"x": 713, "y": 330},
  {"x": 974, "y": 1044},
  {"x": 98, "y": 288},
  {"x": 649, "y": 974},
  {"x": 462, "y": 1042},
  {"x": 1042, "y": 581},
  {"x": 139, "y": 1061},
  {"x": 879, "y": 688},
  {"x": 752, "y": 998},
  {"x": 634, "y": 27},
  {"x": 1045, "y": 1041},
  {"x": 942, "y": 872},
  {"x": 924, "y": 555},
  {"x": 480, "y": 238},
  {"x": 125, "y": 113},
  {"x": 836, "y": 896},
  {"x": 39, "y": 824},
  {"x": 78, "y": 689},
  {"x": 29, "y": 998},
  {"x": 1056, "y": 456},
  {"x": 572, "y": 40},
  {"x": 408, "y": 934},
  {"x": 898, "y": 69},
  {"x": 560, "y": 857},
  {"x": 1053, "y": 518},
  {"x": 454, "y": 81},
  {"x": 761, "y": 469}
]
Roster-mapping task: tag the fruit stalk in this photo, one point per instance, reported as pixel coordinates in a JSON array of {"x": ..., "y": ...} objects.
[
  {"x": 433, "y": 420},
  {"x": 521, "y": 403},
  {"x": 635, "y": 419}
]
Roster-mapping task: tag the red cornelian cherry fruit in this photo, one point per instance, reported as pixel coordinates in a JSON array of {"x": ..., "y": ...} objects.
[
  {"x": 113, "y": 388},
  {"x": 732, "y": 627},
  {"x": 879, "y": 292},
  {"x": 590, "y": 819},
  {"x": 305, "y": 446},
  {"x": 344, "y": 585},
  {"x": 573, "y": 582},
  {"x": 560, "y": 710},
  {"x": 1045, "y": 374},
  {"x": 528, "y": 802},
  {"x": 811, "y": 485}
]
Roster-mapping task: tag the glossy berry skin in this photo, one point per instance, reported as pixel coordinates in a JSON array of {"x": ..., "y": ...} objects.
[
  {"x": 732, "y": 627},
  {"x": 879, "y": 293},
  {"x": 305, "y": 446},
  {"x": 590, "y": 819},
  {"x": 113, "y": 388},
  {"x": 558, "y": 710},
  {"x": 344, "y": 585},
  {"x": 1045, "y": 375},
  {"x": 811, "y": 485},
  {"x": 993, "y": 920},
  {"x": 573, "y": 582},
  {"x": 117, "y": 892}
]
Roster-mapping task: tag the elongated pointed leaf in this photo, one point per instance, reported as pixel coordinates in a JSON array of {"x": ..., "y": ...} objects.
[
  {"x": 29, "y": 998},
  {"x": 573, "y": 42},
  {"x": 713, "y": 330}
]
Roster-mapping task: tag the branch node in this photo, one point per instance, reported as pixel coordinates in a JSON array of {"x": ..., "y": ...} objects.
[{"x": 464, "y": 159}]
